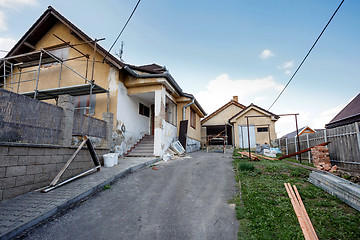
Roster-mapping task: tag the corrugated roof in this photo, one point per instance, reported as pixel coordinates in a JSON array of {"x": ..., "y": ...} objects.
[{"x": 349, "y": 114}]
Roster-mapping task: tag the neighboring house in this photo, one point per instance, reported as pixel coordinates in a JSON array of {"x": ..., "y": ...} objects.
[
  {"x": 54, "y": 58},
  {"x": 230, "y": 121},
  {"x": 302, "y": 131},
  {"x": 348, "y": 115},
  {"x": 217, "y": 122},
  {"x": 261, "y": 126}
]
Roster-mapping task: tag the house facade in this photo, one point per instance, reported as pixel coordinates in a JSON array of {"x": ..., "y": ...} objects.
[
  {"x": 55, "y": 58},
  {"x": 230, "y": 122}
]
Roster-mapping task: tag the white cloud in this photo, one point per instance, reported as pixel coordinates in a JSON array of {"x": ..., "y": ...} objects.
[
  {"x": 6, "y": 44},
  {"x": 266, "y": 54},
  {"x": 286, "y": 65},
  {"x": 16, "y": 4},
  {"x": 221, "y": 90},
  {"x": 13, "y": 5},
  {"x": 3, "y": 24}
]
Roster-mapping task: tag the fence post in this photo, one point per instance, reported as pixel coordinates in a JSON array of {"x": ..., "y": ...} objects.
[
  {"x": 67, "y": 102},
  {"x": 297, "y": 156},
  {"x": 108, "y": 118},
  {"x": 325, "y": 138},
  {"x": 308, "y": 146},
  {"x": 357, "y": 133},
  {"x": 286, "y": 143}
]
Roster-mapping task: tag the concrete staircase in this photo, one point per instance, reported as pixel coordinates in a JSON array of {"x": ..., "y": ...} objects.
[{"x": 144, "y": 148}]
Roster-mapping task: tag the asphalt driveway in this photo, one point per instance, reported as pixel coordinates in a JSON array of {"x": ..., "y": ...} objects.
[{"x": 186, "y": 198}]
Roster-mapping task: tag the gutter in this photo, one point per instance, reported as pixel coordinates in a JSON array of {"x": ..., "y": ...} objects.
[{"x": 187, "y": 105}]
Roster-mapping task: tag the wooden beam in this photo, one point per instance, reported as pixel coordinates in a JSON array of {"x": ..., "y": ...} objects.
[{"x": 303, "y": 151}]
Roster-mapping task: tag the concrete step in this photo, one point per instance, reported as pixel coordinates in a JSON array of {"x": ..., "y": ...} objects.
[
  {"x": 140, "y": 155},
  {"x": 148, "y": 148}
]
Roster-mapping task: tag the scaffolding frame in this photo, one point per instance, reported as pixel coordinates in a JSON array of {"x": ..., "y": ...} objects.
[{"x": 12, "y": 80}]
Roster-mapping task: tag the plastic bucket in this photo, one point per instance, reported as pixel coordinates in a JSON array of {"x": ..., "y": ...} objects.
[{"x": 110, "y": 159}]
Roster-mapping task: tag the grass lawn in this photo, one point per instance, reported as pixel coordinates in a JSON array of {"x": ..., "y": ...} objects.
[{"x": 265, "y": 211}]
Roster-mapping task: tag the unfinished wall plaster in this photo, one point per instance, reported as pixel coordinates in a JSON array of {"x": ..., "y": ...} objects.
[{"x": 136, "y": 125}]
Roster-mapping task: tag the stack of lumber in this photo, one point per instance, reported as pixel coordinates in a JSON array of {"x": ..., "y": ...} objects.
[
  {"x": 300, "y": 211},
  {"x": 246, "y": 154},
  {"x": 321, "y": 159}
]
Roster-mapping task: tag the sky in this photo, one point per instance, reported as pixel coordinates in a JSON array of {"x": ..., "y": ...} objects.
[{"x": 220, "y": 49}]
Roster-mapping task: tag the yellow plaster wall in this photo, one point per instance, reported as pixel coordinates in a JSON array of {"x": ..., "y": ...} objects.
[
  {"x": 261, "y": 137},
  {"x": 191, "y": 132},
  {"x": 49, "y": 76},
  {"x": 222, "y": 117}
]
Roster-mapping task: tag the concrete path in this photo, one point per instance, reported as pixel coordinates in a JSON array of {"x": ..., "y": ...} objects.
[
  {"x": 185, "y": 198},
  {"x": 23, "y": 212}
]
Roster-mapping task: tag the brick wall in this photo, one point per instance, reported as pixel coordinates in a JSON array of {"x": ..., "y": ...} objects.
[{"x": 26, "y": 167}]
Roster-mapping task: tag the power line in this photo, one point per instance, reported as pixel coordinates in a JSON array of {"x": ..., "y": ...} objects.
[
  {"x": 306, "y": 55},
  {"x": 121, "y": 30}
]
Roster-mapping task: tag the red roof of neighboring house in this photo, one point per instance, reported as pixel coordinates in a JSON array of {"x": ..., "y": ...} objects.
[{"x": 348, "y": 115}]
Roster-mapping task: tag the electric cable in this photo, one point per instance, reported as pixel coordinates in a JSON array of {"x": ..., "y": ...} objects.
[
  {"x": 306, "y": 55},
  {"x": 107, "y": 53}
]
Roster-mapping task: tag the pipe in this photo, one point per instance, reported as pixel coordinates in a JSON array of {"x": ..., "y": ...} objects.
[{"x": 187, "y": 105}]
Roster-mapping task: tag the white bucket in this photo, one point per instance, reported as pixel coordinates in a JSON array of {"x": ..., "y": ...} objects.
[{"x": 110, "y": 159}]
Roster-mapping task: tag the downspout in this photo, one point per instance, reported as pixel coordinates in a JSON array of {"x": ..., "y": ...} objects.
[{"x": 187, "y": 105}]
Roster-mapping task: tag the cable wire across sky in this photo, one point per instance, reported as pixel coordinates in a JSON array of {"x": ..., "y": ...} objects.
[
  {"x": 306, "y": 55},
  {"x": 122, "y": 30}
]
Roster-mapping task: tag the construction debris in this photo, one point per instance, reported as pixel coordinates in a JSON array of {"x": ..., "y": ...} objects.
[
  {"x": 302, "y": 151},
  {"x": 299, "y": 208},
  {"x": 154, "y": 168},
  {"x": 321, "y": 159},
  {"x": 253, "y": 157}
]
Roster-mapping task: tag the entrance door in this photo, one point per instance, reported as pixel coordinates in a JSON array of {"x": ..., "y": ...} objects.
[
  {"x": 152, "y": 119},
  {"x": 243, "y": 136}
]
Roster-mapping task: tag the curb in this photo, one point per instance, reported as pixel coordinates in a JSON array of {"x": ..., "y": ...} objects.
[{"x": 14, "y": 232}]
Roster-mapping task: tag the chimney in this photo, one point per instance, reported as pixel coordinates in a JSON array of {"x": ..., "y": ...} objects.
[{"x": 236, "y": 98}]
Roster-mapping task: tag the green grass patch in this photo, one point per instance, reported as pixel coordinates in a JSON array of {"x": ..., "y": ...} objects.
[{"x": 264, "y": 209}]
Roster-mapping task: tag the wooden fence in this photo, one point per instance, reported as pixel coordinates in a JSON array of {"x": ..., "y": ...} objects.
[{"x": 344, "y": 148}]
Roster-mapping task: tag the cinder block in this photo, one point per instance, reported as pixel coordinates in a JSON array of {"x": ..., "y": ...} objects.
[
  {"x": 49, "y": 168},
  {"x": 13, "y": 192},
  {"x": 51, "y": 151},
  {"x": 36, "y": 151},
  {"x": 73, "y": 165},
  {"x": 64, "y": 151},
  {"x": 4, "y": 161},
  {"x": 13, "y": 160},
  {"x": 7, "y": 182},
  {"x": 2, "y": 172},
  {"x": 57, "y": 159},
  {"x": 19, "y": 151},
  {"x": 26, "y": 160},
  {"x": 24, "y": 180},
  {"x": 15, "y": 171},
  {"x": 42, "y": 177},
  {"x": 34, "y": 169},
  {"x": 4, "y": 150},
  {"x": 43, "y": 159}
]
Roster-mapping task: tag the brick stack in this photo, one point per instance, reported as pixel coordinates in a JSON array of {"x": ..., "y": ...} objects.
[{"x": 321, "y": 159}]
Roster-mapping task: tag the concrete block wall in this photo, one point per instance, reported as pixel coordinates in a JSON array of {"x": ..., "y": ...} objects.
[{"x": 26, "y": 167}]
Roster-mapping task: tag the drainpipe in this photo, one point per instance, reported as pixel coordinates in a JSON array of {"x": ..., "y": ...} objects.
[{"x": 184, "y": 107}]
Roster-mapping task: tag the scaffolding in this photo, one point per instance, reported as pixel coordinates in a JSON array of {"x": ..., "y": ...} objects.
[{"x": 13, "y": 69}]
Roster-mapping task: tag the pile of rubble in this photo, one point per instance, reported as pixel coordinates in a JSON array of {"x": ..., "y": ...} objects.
[{"x": 321, "y": 159}]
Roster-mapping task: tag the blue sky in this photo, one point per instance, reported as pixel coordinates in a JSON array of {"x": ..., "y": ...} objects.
[{"x": 218, "y": 49}]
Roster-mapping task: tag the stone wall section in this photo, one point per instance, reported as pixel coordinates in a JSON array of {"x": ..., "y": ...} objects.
[{"x": 26, "y": 167}]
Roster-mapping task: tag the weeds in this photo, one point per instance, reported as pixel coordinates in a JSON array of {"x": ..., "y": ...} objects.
[
  {"x": 264, "y": 209},
  {"x": 106, "y": 187}
]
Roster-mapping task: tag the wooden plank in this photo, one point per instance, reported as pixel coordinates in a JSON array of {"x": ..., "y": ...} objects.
[
  {"x": 297, "y": 210},
  {"x": 310, "y": 226},
  {"x": 303, "y": 151},
  {"x": 67, "y": 164},
  {"x": 266, "y": 157}
]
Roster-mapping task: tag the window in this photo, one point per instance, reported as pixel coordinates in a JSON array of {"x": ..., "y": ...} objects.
[
  {"x": 61, "y": 53},
  {"x": 192, "y": 118},
  {"x": 82, "y": 104},
  {"x": 170, "y": 111},
  {"x": 144, "y": 110},
  {"x": 262, "y": 129}
]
